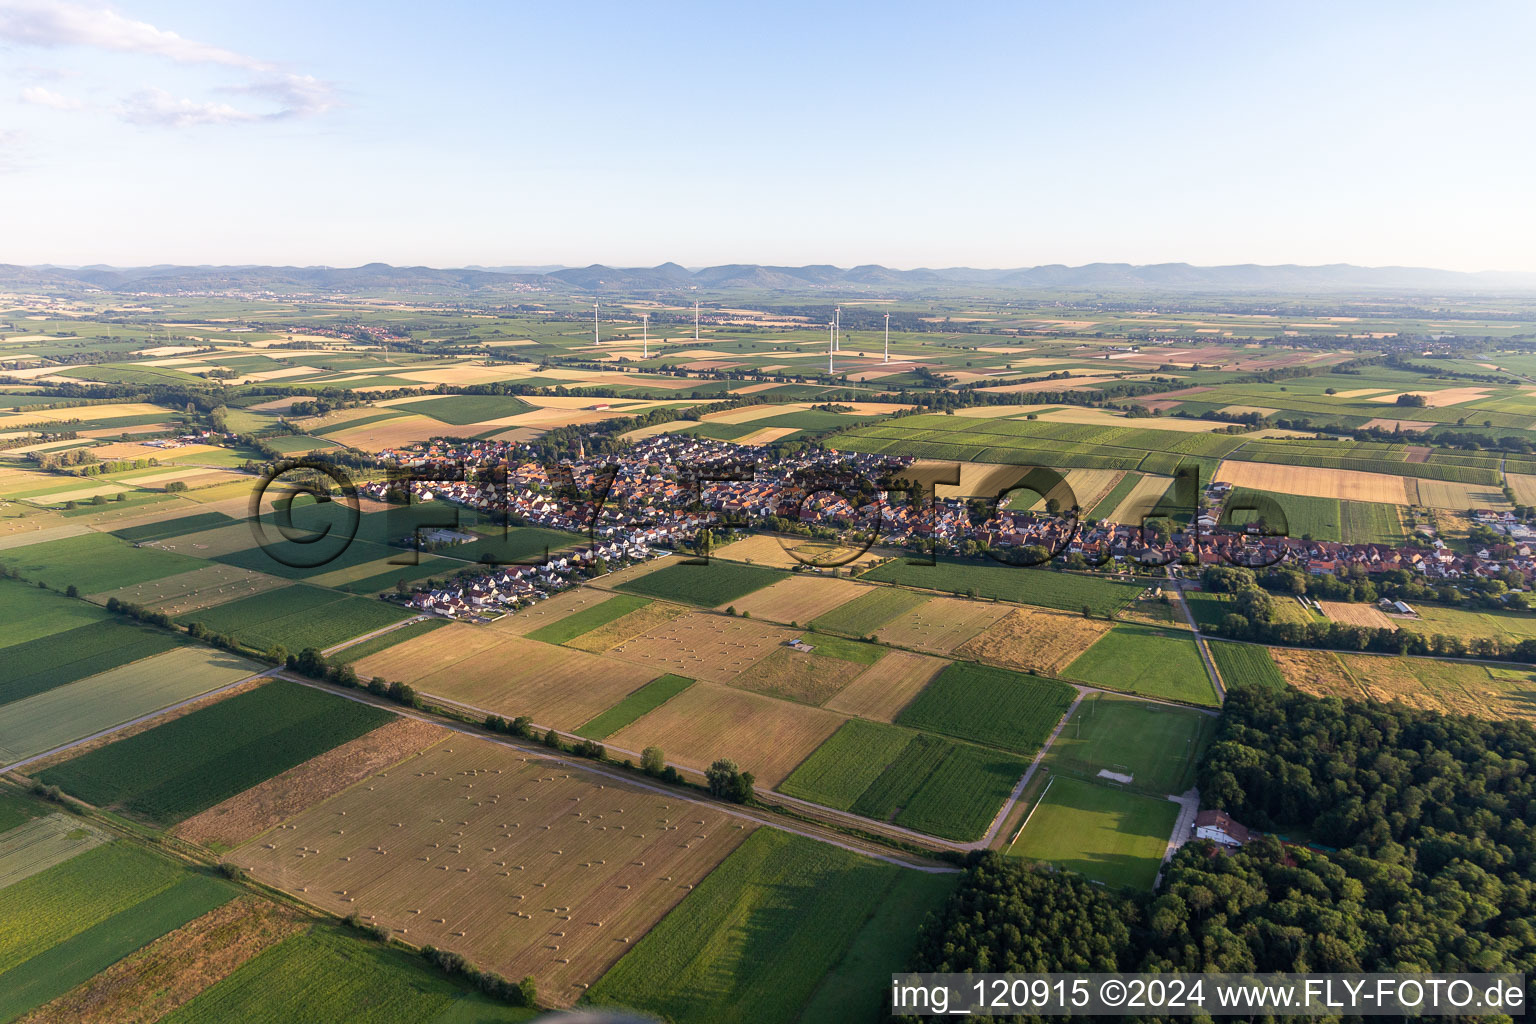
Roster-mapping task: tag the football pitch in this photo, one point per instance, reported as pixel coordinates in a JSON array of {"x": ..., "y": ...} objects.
[{"x": 1107, "y": 833}]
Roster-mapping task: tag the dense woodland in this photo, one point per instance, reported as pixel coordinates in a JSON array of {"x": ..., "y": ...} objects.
[{"x": 1435, "y": 867}]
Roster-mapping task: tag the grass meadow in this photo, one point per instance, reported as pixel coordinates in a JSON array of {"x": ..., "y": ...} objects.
[{"x": 1149, "y": 661}]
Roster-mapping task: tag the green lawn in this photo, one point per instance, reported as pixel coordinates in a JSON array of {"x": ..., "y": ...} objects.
[
  {"x": 1146, "y": 660},
  {"x": 643, "y": 701},
  {"x": 1044, "y": 587},
  {"x": 588, "y": 619},
  {"x": 1157, "y": 744},
  {"x": 191, "y": 763},
  {"x": 869, "y": 611},
  {"x": 753, "y": 941},
  {"x": 708, "y": 585},
  {"x": 1113, "y": 835},
  {"x": 1245, "y": 665},
  {"x": 94, "y": 562},
  {"x": 989, "y": 705}
]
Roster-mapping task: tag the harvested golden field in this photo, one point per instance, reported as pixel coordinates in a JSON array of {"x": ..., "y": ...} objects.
[
  {"x": 1316, "y": 672},
  {"x": 20, "y": 533},
  {"x": 1444, "y": 494},
  {"x": 1355, "y": 614},
  {"x": 798, "y": 676},
  {"x": 791, "y": 551},
  {"x": 522, "y": 864},
  {"x": 133, "y": 450},
  {"x": 1084, "y": 487},
  {"x": 1345, "y": 484},
  {"x": 114, "y": 410},
  {"x": 221, "y": 540},
  {"x": 702, "y": 646},
  {"x": 765, "y": 736},
  {"x": 549, "y": 611},
  {"x": 630, "y": 573},
  {"x": 1141, "y": 500},
  {"x": 555, "y": 686},
  {"x": 882, "y": 690},
  {"x": 247, "y": 814},
  {"x": 940, "y": 624},
  {"x": 626, "y": 627},
  {"x": 767, "y": 435},
  {"x": 1438, "y": 399},
  {"x": 381, "y": 434},
  {"x": 194, "y": 590},
  {"x": 800, "y": 598},
  {"x": 1034, "y": 640},
  {"x": 1524, "y": 487},
  {"x": 430, "y": 652},
  {"x": 147, "y": 985},
  {"x": 1450, "y": 687}
]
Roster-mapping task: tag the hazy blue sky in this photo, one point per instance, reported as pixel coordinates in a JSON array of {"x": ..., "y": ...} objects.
[{"x": 905, "y": 134}]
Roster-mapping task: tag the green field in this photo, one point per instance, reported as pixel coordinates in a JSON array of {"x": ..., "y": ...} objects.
[
  {"x": 959, "y": 799},
  {"x": 1245, "y": 665},
  {"x": 37, "y": 844},
  {"x": 1156, "y": 744},
  {"x": 27, "y": 613},
  {"x": 40, "y": 665},
  {"x": 357, "y": 652},
  {"x": 828, "y": 646},
  {"x": 512, "y": 545},
  {"x": 643, "y": 701},
  {"x": 193, "y": 762},
  {"x": 1043, "y": 587},
  {"x": 588, "y": 619},
  {"x": 1113, "y": 835},
  {"x": 94, "y": 562},
  {"x": 869, "y": 611},
  {"x": 173, "y": 527},
  {"x": 461, "y": 410},
  {"x": 297, "y": 616},
  {"x": 1370, "y": 522},
  {"x": 893, "y": 788},
  {"x": 80, "y": 957},
  {"x": 989, "y": 705},
  {"x": 1112, "y": 500},
  {"x": 1146, "y": 660},
  {"x": 753, "y": 941},
  {"x": 1290, "y": 515},
  {"x": 325, "y": 975},
  {"x": 708, "y": 585},
  {"x": 847, "y": 764}
]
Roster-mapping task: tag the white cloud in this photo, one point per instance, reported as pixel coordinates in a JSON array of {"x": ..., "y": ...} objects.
[
  {"x": 13, "y": 154},
  {"x": 38, "y": 96},
  {"x": 158, "y": 107},
  {"x": 51, "y": 25}
]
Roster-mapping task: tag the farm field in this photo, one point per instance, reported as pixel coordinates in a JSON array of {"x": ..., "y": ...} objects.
[
  {"x": 1112, "y": 835},
  {"x": 353, "y": 653},
  {"x": 764, "y": 735},
  {"x": 65, "y": 713},
  {"x": 940, "y": 624},
  {"x": 39, "y": 843},
  {"x": 46, "y": 662},
  {"x": 800, "y": 599},
  {"x": 1288, "y": 515},
  {"x": 643, "y": 701},
  {"x": 473, "y": 846},
  {"x": 588, "y": 619},
  {"x": 753, "y": 941},
  {"x": 808, "y": 678},
  {"x": 882, "y": 690},
  {"x": 651, "y": 615},
  {"x": 1510, "y": 627},
  {"x": 189, "y": 764},
  {"x": 989, "y": 705},
  {"x": 715, "y": 648},
  {"x": 1034, "y": 640},
  {"x": 1333, "y": 484},
  {"x": 192, "y": 591},
  {"x": 1041, "y": 587},
  {"x": 717, "y": 583},
  {"x": 93, "y": 562},
  {"x": 1245, "y": 665},
  {"x": 428, "y": 652},
  {"x": 297, "y": 616},
  {"x": 868, "y": 611},
  {"x": 847, "y": 764},
  {"x": 1157, "y": 745},
  {"x": 27, "y": 613},
  {"x": 1357, "y": 613},
  {"x": 1146, "y": 660},
  {"x": 1450, "y": 687}
]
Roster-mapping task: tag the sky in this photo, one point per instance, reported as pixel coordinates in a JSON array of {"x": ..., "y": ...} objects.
[{"x": 910, "y": 135}]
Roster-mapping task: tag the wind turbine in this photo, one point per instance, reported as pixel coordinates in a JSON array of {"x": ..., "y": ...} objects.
[
  {"x": 595, "y": 339},
  {"x": 837, "y": 327},
  {"x": 831, "y": 345},
  {"x": 695, "y": 321},
  {"x": 887, "y": 337},
  {"x": 645, "y": 336}
]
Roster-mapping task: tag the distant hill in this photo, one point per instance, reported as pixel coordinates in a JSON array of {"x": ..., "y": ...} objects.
[{"x": 672, "y": 279}]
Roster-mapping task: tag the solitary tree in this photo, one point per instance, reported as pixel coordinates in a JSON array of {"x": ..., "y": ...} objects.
[{"x": 652, "y": 761}]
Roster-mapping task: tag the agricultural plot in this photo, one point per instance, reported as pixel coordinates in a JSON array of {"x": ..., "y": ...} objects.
[
  {"x": 429, "y": 652},
  {"x": 463, "y": 410},
  {"x": 847, "y": 764},
  {"x": 353, "y": 653},
  {"x": 40, "y": 843},
  {"x": 297, "y": 616},
  {"x": 1034, "y": 640},
  {"x": 195, "y": 590},
  {"x": 40, "y": 665},
  {"x": 195, "y": 761},
  {"x": 717, "y": 583},
  {"x": 643, "y": 701},
  {"x": 1148, "y": 747},
  {"x": 788, "y": 674},
  {"x": 93, "y": 562},
  {"x": 714, "y": 648},
  {"x": 542, "y": 613},
  {"x": 1334, "y": 484},
  {"x": 27, "y": 613},
  {"x": 991, "y": 706},
  {"x": 163, "y": 528},
  {"x": 66, "y": 713},
  {"x": 800, "y": 599},
  {"x": 1449, "y": 687},
  {"x": 521, "y": 864},
  {"x": 940, "y": 625},
  {"x": 1042, "y": 587},
  {"x": 1357, "y": 614},
  {"x": 1288, "y": 515},
  {"x": 588, "y": 619},
  {"x": 767, "y": 737},
  {"x": 868, "y": 612},
  {"x": 882, "y": 690},
  {"x": 962, "y": 795},
  {"x": 790, "y": 551},
  {"x": 1245, "y": 665},
  {"x": 1366, "y": 523},
  {"x": 1149, "y": 661},
  {"x": 755, "y": 939},
  {"x": 1113, "y": 835},
  {"x": 1510, "y": 627},
  {"x": 650, "y": 616}
]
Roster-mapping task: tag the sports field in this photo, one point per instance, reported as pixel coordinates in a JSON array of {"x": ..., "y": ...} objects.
[
  {"x": 1156, "y": 745},
  {"x": 193, "y": 762},
  {"x": 520, "y": 863},
  {"x": 1113, "y": 835},
  {"x": 78, "y": 709},
  {"x": 718, "y": 583},
  {"x": 989, "y": 705},
  {"x": 755, "y": 939},
  {"x": 1149, "y": 661},
  {"x": 1042, "y": 587}
]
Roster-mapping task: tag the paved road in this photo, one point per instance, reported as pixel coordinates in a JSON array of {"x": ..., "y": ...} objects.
[
  {"x": 1013, "y": 798},
  {"x": 369, "y": 636},
  {"x": 1205, "y": 654},
  {"x": 1183, "y": 827}
]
